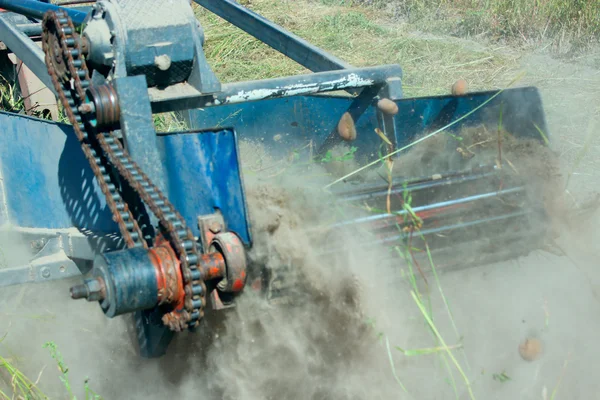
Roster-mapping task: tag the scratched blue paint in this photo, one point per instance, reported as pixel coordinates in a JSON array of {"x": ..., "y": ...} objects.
[
  {"x": 289, "y": 123},
  {"x": 203, "y": 175}
]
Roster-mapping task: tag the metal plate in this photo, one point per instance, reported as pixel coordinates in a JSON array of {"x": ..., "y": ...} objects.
[
  {"x": 48, "y": 183},
  {"x": 285, "y": 124}
]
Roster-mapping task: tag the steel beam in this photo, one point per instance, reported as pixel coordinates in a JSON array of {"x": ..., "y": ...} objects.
[
  {"x": 180, "y": 97},
  {"x": 37, "y": 9},
  {"x": 290, "y": 45},
  {"x": 38, "y": 271},
  {"x": 25, "y": 49}
]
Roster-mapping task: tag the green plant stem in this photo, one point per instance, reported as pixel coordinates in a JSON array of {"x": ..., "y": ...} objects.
[
  {"x": 441, "y": 340},
  {"x": 392, "y": 365},
  {"x": 444, "y": 299}
]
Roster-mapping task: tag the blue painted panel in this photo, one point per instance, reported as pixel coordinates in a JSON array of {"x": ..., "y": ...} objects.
[
  {"x": 47, "y": 180},
  {"x": 203, "y": 174},
  {"x": 288, "y": 123},
  {"x": 519, "y": 110}
]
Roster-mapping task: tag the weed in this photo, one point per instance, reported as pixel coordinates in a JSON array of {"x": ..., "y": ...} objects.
[
  {"x": 501, "y": 377},
  {"x": 329, "y": 157},
  {"x": 55, "y": 354},
  {"x": 441, "y": 340},
  {"x": 64, "y": 371},
  {"x": 22, "y": 387},
  {"x": 168, "y": 122},
  {"x": 10, "y": 100}
]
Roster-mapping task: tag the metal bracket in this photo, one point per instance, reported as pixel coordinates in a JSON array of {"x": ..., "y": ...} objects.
[
  {"x": 50, "y": 263},
  {"x": 211, "y": 225}
]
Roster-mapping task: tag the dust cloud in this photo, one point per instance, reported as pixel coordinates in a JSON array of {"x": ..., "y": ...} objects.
[
  {"x": 316, "y": 341},
  {"x": 338, "y": 332}
]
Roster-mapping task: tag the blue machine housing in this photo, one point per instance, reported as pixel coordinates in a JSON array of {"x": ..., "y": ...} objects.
[
  {"x": 56, "y": 190},
  {"x": 298, "y": 120}
]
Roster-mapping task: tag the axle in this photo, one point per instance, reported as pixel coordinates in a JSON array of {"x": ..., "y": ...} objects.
[{"x": 137, "y": 279}]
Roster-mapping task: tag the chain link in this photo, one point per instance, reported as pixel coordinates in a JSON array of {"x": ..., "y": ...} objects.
[{"x": 70, "y": 76}]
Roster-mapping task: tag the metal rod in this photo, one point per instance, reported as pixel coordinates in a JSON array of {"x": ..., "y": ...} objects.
[
  {"x": 461, "y": 255},
  {"x": 285, "y": 42},
  {"x": 461, "y": 225},
  {"x": 31, "y": 29},
  {"x": 366, "y": 192},
  {"x": 443, "y": 204},
  {"x": 394, "y": 238},
  {"x": 25, "y": 49},
  {"x": 321, "y": 82},
  {"x": 37, "y": 9},
  {"x": 76, "y": 2}
]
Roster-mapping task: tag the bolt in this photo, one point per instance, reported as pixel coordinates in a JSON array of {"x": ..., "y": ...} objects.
[
  {"x": 46, "y": 272},
  {"x": 163, "y": 62},
  {"x": 37, "y": 245},
  {"x": 91, "y": 289},
  {"x": 215, "y": 227},
  {"x": 79, "y": 291},
  {"x": 86, "y": 108}
]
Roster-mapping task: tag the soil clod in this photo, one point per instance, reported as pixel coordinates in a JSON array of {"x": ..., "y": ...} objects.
[{"x": 530, "y": 349}]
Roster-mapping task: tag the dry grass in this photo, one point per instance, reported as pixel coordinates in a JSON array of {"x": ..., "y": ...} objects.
[
  {"x": 358, "y": 35},
  {"x": 576, "y": 22}
]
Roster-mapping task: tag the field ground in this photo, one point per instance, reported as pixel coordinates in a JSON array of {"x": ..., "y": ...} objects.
[{"x": 495, "y": 307}]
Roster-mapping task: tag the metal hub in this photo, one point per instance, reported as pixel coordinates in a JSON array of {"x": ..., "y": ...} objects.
[{"x": 139, "y": 279}]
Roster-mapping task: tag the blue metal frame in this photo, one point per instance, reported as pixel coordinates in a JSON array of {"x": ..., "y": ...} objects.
[
  {"x": 36, "y": 9},
  {"x": 299, "y": 85}
]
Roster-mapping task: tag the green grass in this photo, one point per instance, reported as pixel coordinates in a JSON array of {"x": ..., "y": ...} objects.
[
  {"x": 358, "y": 35},
  {"x": 21, "y": 387},
  {"x": 530, "y": 21}
]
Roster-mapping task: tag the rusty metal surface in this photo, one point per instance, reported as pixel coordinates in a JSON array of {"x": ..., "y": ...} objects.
[
  {"x": 230, "y": 245},
  {"x": 212, "y": 266}
]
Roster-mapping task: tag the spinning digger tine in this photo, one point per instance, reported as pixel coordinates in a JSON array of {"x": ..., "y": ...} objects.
[{"x": 454, "y": 212}]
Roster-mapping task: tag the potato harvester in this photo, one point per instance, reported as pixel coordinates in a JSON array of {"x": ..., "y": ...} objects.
[{"x": 157, "y": 222}]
